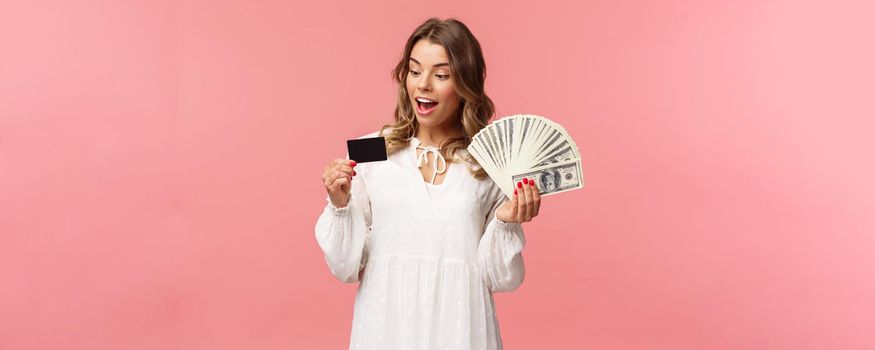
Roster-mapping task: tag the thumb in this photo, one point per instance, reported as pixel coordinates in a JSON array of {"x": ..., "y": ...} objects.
[
  {"x": 514, "y": 205},
  {"x": 346, "y": 186}
]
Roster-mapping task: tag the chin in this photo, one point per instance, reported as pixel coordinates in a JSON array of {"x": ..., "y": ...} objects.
[{"x": 427, "y": 120}]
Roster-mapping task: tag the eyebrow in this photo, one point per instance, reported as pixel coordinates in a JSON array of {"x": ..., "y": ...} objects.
[{"x": 437, "y": 65}]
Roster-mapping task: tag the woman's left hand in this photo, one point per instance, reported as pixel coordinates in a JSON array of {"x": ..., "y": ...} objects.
[{"x": 524, "y": 206}]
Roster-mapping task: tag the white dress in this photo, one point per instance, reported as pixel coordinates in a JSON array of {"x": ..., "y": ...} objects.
[{"x": 428, "y": 259}]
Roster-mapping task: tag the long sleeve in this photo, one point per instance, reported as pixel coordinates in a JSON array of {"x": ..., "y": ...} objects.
[
  {"x": 499, "y": 253},
  {"x": 343, "y": 233}
]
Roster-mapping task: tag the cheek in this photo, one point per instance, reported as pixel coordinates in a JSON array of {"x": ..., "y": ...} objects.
[
  {"x": 410, "y": 85},
  {"x": 448, "y": 94}
]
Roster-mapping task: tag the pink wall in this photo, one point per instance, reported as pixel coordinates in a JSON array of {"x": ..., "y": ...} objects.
[{"x": 159, "y": 169}]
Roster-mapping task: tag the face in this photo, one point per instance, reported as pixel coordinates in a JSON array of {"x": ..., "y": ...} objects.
[
  {"x": 549, "y": 181},
  {"x": 430, "y": 78}
]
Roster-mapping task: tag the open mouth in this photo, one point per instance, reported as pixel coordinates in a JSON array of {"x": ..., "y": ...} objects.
[{"x": 425, "y": 106}]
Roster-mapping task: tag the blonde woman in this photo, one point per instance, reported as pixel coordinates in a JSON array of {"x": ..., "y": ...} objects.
[{"x": 427, "y": 234}]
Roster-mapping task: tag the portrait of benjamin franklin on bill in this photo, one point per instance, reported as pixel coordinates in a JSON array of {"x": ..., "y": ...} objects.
[{"x": 550, "y": 180}]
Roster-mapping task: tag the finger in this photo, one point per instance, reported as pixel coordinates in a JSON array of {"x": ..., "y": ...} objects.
[
  {"x": 328, "y": 178},
  {"x": 340, "y": 161},
  {"x": 513, "y": 205},
  {"x": 326, "y": 173},
  {"x": 521, "y": 207},
  {"x": 344, "y": 168},
  {"x": 341, "y": 184},
  {"x": 330, "y": 168},
  {"x": 341, "y": 178},
  {"x": 337, "y": 175},
  {"x": 530, "y": 199},
  {"x": 536, "y": 199}
]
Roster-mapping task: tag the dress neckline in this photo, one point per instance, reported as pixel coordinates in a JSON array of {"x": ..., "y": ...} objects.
[
  {"x": 428, "y": 189},
  {"x": 414, "y": 144}
]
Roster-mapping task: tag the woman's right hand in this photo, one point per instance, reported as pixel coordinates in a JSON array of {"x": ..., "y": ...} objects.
[{"x": 337, "y": 178}]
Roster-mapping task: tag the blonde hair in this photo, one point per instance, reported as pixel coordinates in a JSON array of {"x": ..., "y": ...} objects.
[{"x": 468, "y": 70}]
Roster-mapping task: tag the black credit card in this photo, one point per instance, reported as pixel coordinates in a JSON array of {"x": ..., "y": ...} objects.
[{"x": 370, "y": 149}]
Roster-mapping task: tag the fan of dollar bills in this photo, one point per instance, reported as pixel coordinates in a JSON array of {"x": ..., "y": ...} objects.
[{"x": 528, "y": 146}]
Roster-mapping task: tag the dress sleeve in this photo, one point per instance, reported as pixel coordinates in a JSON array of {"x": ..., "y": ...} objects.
[
  {"x": 343, "y": 233},
  {"x": 499, "y": 254}
]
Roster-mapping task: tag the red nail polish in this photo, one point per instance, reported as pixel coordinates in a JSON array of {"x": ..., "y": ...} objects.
[
  {"x": 353, "y": 173},
  {"x": 352, "y": 163},
  {"x": 519, "y": 185},
  {"x": 531, "y": 182},
  {"x": 525, "y": 181},
  {"x": 514, "y": 192}
]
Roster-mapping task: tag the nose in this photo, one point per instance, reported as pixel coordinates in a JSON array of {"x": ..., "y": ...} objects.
[{"x": 424, "y": 83}]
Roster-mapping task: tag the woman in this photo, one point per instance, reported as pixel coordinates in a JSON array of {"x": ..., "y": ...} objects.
[{"x": 427, "y": 233}]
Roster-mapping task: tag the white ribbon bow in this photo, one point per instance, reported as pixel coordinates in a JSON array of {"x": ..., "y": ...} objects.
[{"x": 423, "y": 157}]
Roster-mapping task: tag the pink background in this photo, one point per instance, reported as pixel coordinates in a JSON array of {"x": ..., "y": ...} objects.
[{"x": 160, "y": 163}]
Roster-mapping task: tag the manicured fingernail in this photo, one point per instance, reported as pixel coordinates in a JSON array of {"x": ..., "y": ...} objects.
[
  {"x": 353, "y": 173},
  {"x": 352, "y": 163},
  {"x": 514, "y": 192},
  {"x": 525, "y": 181},
  {"x": 519, "y": 185},
  {"x": 531, "y": 182}
]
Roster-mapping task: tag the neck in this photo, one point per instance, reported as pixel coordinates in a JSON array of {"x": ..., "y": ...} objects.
[{"x": 435, "y": 135}]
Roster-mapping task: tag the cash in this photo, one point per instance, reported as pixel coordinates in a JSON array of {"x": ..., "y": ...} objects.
[{"x": 528, "y": 146}]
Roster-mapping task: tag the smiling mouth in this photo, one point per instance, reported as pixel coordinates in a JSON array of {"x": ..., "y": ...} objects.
[{"x": 424, "y": 107}]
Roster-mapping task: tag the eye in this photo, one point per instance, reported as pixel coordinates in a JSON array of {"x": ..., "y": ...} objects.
[
  {"x": 442, "y": 76},
  {"x": 414, "y": 73}
]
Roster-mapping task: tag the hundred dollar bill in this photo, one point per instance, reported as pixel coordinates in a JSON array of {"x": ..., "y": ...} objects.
[
  {"x": 562, "y": 153},
  {"x": 554, "y": 178}
]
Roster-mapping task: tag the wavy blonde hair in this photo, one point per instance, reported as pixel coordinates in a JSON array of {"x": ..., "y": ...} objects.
[{"x": 468, "y": 70}]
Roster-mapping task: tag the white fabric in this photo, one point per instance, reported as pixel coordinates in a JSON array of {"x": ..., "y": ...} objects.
[
  {"x": 436, "y": 152},
  {"x": 428, "y": 261}
]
